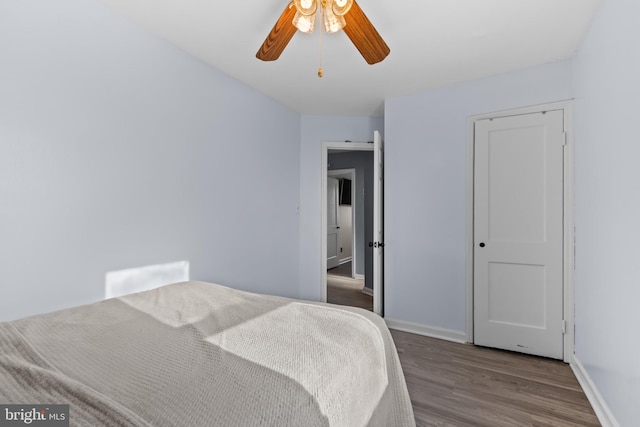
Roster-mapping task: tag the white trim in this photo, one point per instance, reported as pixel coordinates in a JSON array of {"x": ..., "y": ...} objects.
[
  {"x": 367, "y": 291},
  {"x": 428, "y": 331},
  {"x": 345, "y": 260},
  {"x": 569, "y": 240},
  {"x": 568, "y": 309},
  {"x": 358, "y": 276},
  {"x": 377, "y": 279},
  {"x": 324, "y": 162},
  {"x": 600, "y": 407},
  {"x": 469, "y": 227}
]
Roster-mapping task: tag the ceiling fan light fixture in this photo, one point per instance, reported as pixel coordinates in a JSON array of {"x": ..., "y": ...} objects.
[
  {"x": 304, "y": 23},
  {"x": 341, "y": 7},
  {"x": 332, "y": 22},
  {"x": 306, "y": 7},
  {"x": 301, "y": 15}
]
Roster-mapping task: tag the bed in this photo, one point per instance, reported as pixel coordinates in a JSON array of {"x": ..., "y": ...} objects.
[{"x": 201, "y": 354}]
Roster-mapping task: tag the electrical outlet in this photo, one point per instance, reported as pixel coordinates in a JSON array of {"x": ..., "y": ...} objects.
[{"x": 340, "y": 250}]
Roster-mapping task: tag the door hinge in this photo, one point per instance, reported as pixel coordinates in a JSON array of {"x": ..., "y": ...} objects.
[
  {"x": 564, "y": 327},
  {"x": 564, "y": 138}
]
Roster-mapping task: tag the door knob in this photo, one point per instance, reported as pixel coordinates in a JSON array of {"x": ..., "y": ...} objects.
[{"x": 482, "y": 244}]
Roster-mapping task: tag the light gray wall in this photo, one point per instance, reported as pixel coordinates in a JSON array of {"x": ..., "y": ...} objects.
[
  {"x": 425, "y": 188},
  {"x": 314, "y": 131},
  {"x": 362, "y": 195},
  {"x": 118, "y": 150},
  {"x": 607, "y": 278}
]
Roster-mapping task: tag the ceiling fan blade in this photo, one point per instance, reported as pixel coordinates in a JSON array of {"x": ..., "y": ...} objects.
[
  {"x": 279, "y": 36},
  {"x": 364, "y": 35}
]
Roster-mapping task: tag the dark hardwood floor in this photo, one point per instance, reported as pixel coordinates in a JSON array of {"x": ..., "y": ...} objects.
[
  {"x": 343, "y": 290},
  {"x": 463, "y": 385},
  {"x": 337, "y": 294},
  {"x": 343, "y": 270}
]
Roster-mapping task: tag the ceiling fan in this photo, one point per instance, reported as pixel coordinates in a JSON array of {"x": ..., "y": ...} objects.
[{"x": 335, "y": 15}]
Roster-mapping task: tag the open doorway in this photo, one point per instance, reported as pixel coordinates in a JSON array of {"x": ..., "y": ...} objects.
[
  {"x": 366, "y": 258},
  {"x": 346, "y": 219}
]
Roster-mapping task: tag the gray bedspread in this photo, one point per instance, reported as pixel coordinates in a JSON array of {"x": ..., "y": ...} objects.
[{"x": 200, "y": 354}]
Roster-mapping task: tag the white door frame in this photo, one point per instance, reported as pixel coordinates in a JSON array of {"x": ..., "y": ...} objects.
[
  {"x": 568, "y": 264},
  {"x": 352, "y": 176},
  {"x": 324, "y": 166}
]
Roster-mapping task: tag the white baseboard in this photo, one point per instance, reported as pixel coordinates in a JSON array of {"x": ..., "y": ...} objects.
[
  {"x": 600, "y": 407},
  {"x": 358, "y": 276},
  {"x": 367, "y": 291},
  {"x": 345, "y": 260},
  {"x": 428, "y": 331}
]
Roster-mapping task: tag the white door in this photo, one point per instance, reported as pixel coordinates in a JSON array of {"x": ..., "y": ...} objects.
[
  {"x": 378, "y": 243},
  {"x": 518, "y": 233},
  {"x": 332, "y": 223}
]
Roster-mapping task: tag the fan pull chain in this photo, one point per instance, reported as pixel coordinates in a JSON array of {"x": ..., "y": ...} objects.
[{"x": 320, "y": 72}]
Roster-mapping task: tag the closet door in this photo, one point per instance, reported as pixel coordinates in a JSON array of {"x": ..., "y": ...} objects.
[{"x": 518, "y": 233}]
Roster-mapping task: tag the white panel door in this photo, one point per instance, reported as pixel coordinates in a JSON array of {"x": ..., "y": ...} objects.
[
  {"x": 518, "y": 233},
  {"x": 378, "y": 245},
  {"x": 332, "y": 223}
]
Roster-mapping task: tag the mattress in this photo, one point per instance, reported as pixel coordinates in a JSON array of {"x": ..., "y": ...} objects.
[{"x": 197, "y": 353}]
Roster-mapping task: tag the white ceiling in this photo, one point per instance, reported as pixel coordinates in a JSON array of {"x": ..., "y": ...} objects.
[{"x": 433, "y": 43}]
